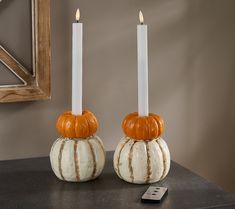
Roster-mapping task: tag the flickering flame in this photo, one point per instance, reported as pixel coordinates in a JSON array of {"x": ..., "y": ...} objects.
[
  {"x": 77, "y": 15},
  {"x": 141, "y": 17}
]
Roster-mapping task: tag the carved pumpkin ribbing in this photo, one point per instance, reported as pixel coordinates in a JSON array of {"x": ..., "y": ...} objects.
[
  {"x": 143, "y": 127},
  {"x": 77, "y": 126}
]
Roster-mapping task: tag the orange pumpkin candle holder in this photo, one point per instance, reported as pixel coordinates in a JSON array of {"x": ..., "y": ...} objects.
[
  {"x": 78, "y": 155},
  {"x": 142, "y": 156},
  {"x": 143, "y": 127},
  {"x": 77, "y": 126}
]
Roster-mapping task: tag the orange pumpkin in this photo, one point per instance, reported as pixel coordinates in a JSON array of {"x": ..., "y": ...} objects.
[
  {"x": 143, "y": 127},
  {"x": 77, "y": 126}
]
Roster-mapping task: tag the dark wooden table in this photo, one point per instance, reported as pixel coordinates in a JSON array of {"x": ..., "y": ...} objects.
[{"x": 31, "y": 184}]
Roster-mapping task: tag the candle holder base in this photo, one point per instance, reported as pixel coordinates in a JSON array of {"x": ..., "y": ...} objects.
[
  {"x": 142, "y": 161},
  {"x": 77, "y": 160}
]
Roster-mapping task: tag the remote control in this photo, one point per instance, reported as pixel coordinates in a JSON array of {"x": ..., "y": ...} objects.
[{"x": 154, "y": 194}]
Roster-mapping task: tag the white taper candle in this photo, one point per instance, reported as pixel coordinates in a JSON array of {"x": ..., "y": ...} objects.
[
  {"x": 142, "y": 45},
  {"x": 77, "y": 67}
]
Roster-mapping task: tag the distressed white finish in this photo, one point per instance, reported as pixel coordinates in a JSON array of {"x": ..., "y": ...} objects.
[
  {"x": 141, "y": 162},
  {"x": 77, "y": 160}
]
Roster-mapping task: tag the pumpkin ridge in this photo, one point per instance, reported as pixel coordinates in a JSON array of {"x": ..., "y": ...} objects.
[
  {"x": 127, "y": 118},
  {"x": 63, "y": 119},
  {"x": 127, "y": 130},
  {"x": 52, "y": 150},
  {"x": 148, "y": 126},
  {"x": 130, "y": 156},
  {"x": 164, "y": 160},
  {"x": 119, "y": 156},
  {"x": 59, "y": 124},
  {"x": 60, "y": 158},
  {"x": 148, "y": 163},
  {"x": 160, "y": 123},
  {"x": 93, "y": 122},
  {"x": 71, "y": 128},
  {"x": 152, "y": 128},
  {"x": 66, "y": 119},
  {"x": 93, "y": 158},
  {"x": 76, "y": 160},
  {"x": 158, "y": 130},
  {"x": 88, "y": 126},
  {"x": 136, "y": 127},
  {"x": 76, "y": 126},
  {"x": 100, "y": 144}
]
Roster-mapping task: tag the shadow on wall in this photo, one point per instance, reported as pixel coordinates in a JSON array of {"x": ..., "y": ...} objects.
[
  {"x": 197, "y": 88},
  {"x": 211, "y": 91}
]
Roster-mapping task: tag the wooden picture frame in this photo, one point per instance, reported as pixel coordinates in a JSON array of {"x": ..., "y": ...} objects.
[{"x": 36, "y": 85}]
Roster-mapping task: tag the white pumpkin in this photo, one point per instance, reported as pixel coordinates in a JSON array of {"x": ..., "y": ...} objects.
[
  {"x": 77, "y": 160},
  {"x": 141, "y": 162}
]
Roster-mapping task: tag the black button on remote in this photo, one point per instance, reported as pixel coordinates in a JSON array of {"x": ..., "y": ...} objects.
[{"x": 154, "y": 194}]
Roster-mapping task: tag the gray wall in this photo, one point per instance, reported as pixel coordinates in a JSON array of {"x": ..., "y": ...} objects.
[{"x": 192, "y": 80}]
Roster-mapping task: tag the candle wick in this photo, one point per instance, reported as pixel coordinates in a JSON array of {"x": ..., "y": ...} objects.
[
  {"x": 141, "y": 23},
  {"x": 76, "y": 21}
]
